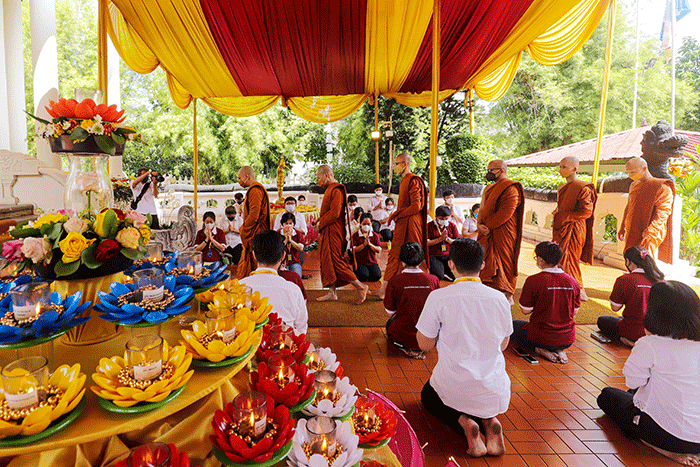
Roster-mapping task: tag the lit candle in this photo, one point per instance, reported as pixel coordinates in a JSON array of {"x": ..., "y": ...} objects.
[
  {"x": 25, "y": 381},
  {"x": 282, "y": 369},
  {"x": 144, "y": 357},
  {"x": 281, "y": 337},
  {"x": 320, "y": 432},
  {"x": 221, "y": 324},
  {"x": 365, "y": 416},
  {"x": 150, "y": 455},
  {"x": 250, "y": 414},
  {"x": 190, "y": 261},
  {"x": 28, "y": 299},
  {"x": 150, "y": 283},
  {"x": 154, "y": 251},
  {"x": 325, "y": 384}
]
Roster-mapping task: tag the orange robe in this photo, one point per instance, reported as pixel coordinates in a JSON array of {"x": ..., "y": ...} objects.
[
  {"x": 647, "y": 218},
  {"x": 331, "y": 237},
  {"x": 502, "y": 209},
  {"x": 256, "y": 218},
  {"x": 411, "y": 217},
  {"x": 573, "y": 225}
]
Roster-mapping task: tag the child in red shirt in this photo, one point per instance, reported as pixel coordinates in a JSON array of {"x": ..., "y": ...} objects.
[
  {"x": 551, "y": 297},
  {"x": 631, "y": 291},
  {"x": 366, "y": 243},
  {"x": 441, "y": 233}
]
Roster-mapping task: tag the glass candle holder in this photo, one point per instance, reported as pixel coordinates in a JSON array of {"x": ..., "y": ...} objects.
[
  {"x": 190, "y": 261},
  {"x": 144, "y": 357},
  {"x": 250, "y": 414},
  {"x": 150, "y": 283},
  {"x": 29, "y": 299},
  {"x": 154, "y": 251},
  {"x": 365, "y": 414},
  {"x": 282, "y": 369},
  {"x": 325, "y": 384},
  {"x": 25, "y": 381},
  {"x": 83, "y": 93},
  {"x": 221, "y": 324},
  {"x": 281, "y": 337},
  {"x": 320, "y": 432},
  {"x": 150, "y": 455},
  {"x": 315, "y": 362}
]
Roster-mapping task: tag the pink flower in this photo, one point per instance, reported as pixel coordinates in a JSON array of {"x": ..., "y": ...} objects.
[
  {"x": 66, "y": 212},
  {"x": 76, "y": 224},
  {"x": 36, "y": 249},
  {"x": 12, "y": 250},
  {"x": 137, "y": 218}
]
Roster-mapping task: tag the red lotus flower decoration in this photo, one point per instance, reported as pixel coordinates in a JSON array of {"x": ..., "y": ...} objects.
[
  {"x": 387, "y": 428},
  {"x": 143, "y": 458},
  {"x": 87, "y": 109},
  {"x": 372, "y": 464},
  {"x": 238, "y": 450},
  {"x": 264, "y": 352},
  {"x": 294, "y": 392}
]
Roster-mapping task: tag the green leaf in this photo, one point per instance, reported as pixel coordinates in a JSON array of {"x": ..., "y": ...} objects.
[
  {"x": 111, "y": 224},
  {"x": 106, "y": 144},
  {"x": 79, "y": 134},
  {"x": 54, "y": 233},
  {"x": 45, "y": 122},
  {"x": 132, "y": 253},
  {"x": 118, "y": 138},
  {"x": 63, "y": 269},
  {"x": 88, "y": 257},
  {"x": 25, "y": 232}
]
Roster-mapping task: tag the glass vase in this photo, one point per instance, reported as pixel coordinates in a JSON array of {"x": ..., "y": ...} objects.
[{"x": 88, "y": 187}]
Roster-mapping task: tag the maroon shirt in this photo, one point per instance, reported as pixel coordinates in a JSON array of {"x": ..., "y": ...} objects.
[
  {"x": 292, "y": 276},
  {"x": 291, "y": 254},
  {"x": 366, "y": 256},
  {"x": 209, "y": 253},
  {"x": 443, "y": 248},
  {"x": 406, "y": 293},
  {"x": 632, "y": 290},
  {"x": 554, "y": 298}
]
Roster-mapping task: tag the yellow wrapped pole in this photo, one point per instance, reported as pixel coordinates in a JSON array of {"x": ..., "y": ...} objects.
[
  {"x": 376, "y": 143},
  {"x": 471, "y": 110},
  {"x": 102, "y": 49},
  {"x": 604, "y": 91},
  {"x": 196, "y": 156},
  {"x": 434, "y": 105}
]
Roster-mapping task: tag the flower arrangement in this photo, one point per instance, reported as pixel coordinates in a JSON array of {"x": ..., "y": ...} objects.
[
  {"x": 295, "y": 391},
  {"x": 82, "y": 120},
  {"x": 351, "y": 453},
  {"x": 680, "y": 167},
  {"x": 66, "y": 240},
  {"x": 336, "y": 408},
  {"x": 299, "y": 347},
  {"x": 121, "y": 188}
]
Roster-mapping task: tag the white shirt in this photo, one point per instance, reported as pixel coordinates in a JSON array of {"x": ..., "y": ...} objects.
[
  {"x": 299, "y": 222},
  {"x": 469, "y": 225},
  {"x": 470, "y": 321},
  {"x": 147, "y": 205},
  {"x": 284, "y": 296},
  {"x": 232, "y": 238},
  {"x": 457, "y": 212},
  {"x": 373, "y": 202},
  {"x": 667, "y": 373},
  {"x": 391, "y": 224}
]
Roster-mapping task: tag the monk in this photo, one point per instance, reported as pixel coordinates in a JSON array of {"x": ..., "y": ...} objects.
[
  {"x": 256, "y": 218},
  {"x": 410, "y": 217},
  {"x": 331, "y": 240},
  {"x": 500, "y": 227},
  {"x": 647, "y": 218},
  {"x": 573, "y": 220}
]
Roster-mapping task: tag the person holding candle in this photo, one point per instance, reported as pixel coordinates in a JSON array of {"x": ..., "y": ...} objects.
[
  {"x": 365, "y": 246},
  {"x": 470, "y": 324},
  {"x": 441, "y": 233},
  {"x": 284, "y": 296},
  {"x": 210, "y": 240},
  {"x": 231, "y": 225}
]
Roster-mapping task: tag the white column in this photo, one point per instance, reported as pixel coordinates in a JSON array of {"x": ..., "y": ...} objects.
[
  {"x": 114, "y": 94},
  {"x": 42, "y": 15},
  {"x": 13, "y": 130}
]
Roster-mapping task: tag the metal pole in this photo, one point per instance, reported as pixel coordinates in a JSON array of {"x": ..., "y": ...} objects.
[
  {"x": 376, "y": 143},
  {"x": 470, "y": 93},
  {"x": 636, "y": 74},
  {"x": 434, "y": 105},
  {"x": 673, "y": 64},
  {"x": 196, "y": 155},
  {"x": 102, "y": 72}
]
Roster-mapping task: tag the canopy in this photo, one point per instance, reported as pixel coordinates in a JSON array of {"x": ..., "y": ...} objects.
[{"x": 324, "y": 58}]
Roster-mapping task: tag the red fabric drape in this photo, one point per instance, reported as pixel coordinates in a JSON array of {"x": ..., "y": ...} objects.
[
  {"x": 470, "y": 33},
  {"x": 291, "y": 47}
]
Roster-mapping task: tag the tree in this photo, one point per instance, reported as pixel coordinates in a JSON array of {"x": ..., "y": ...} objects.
[{"x": 688, "y": 70}]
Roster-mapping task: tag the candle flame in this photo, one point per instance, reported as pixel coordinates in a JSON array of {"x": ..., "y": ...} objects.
[
  {"x": 38, "y": 309},
  {"x": 366, "y": 418},
  {"x": 281, "y": 375},
  {"x": 190, "y": 271},
  {"x": 252, "y": 420},
  {"x": 324, "y": 445}
]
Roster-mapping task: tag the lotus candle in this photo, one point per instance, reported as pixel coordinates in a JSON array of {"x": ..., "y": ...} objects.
[
  {"x": 29, "y": 299},
  {"x": 149, "y": 282},
  {"x": 281, "y": 337},
  {"x": 221, "y": 324},
  {"x": 190, "y": 262},
  {"x": 250, "y": 415},
  {"x": 321, "y": 436},
  {"x": 154, "y": 252},
  {"x": 25, "y": 382},
  {"x": 315, "y": 361},
  {"x": 364, "y": 419},
  {"x": 325, "y": 384},
  {"x": 282, "y": 369},
  {"x": 150, "y": 455},
  {"x": 144, "y": 357}
]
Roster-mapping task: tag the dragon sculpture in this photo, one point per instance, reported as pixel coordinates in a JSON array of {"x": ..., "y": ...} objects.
[{"x": 659, "y": 144}]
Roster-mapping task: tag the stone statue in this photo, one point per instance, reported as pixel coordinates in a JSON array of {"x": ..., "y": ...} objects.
[
  {"x": 659, "y": 145},
  {"x": 181, "y": 235}
]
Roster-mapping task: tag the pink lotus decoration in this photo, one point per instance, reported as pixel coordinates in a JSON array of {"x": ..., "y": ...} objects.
[
  {"x": 297, "y": 390},
  {"x": 238, "y": 450},
  {"x": 388, "y": 426},
  {"x": 264, "y": 352},
  {"x": 143, "y": 456}
]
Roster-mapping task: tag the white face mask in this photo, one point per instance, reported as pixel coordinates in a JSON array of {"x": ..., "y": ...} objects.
[
  {"x": 209, "y": 226},
  {"x": 449, "y": 201},
  {"x": 378, "y": 193},
  {"x": 366, "y": 228},
  {"x": 442, "y": 222},
  {"x": 302, "y": 202},
  {"x": 390, "y": 207},
  {"x": 352, "y": 207},
  {"x": 289, "y": 207}
]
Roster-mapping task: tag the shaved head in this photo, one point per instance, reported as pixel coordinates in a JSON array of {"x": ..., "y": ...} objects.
[
  {"x": 636, "y": 163},
  {"x": 403, "y": 157},
  {"x": 402, "y": 164},
  {"x": 498, "y": 164},
  {"x": 324, "y": 169},
  {"x": 246, "y": 176},
  {"x": 325, "y": 176},
  {"x": 570, "y": 162},
  {"x": 637, "y": 169}
]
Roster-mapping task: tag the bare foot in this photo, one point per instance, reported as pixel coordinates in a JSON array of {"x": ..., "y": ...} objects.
[
  {"x": 495, "y": 445},
  {"x": 627, "y": 342},
  {"x": 363, "y": 294},
  {"x": 475, "y": 446},
  {"x": 562, "y": 357},
  {"x": 685, "y": 459},
  {"x": 329, "y": 297},
  {"x": 584, "y": 296},
  {"x": 551, "y": 356}
]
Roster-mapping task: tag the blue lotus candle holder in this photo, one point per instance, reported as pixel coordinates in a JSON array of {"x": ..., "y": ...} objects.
[
  {"x": 5, "y": 287},
  {"x": 120, "y": 305},
  {"x": 144, "y": 263},
  {"x": 200, "y": 282},
  {"x": 55, "y": 319}
]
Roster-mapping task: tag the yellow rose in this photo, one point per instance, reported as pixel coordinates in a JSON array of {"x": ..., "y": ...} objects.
[
  {"x": 48, "y": 219},
  {"x": 87, "y": 124},
  {"x": 145, "y": 233},
  {"x": 73, "y": 245},
  {"x": 129, "y": 237},
  {"x": 98, "y": 225}
]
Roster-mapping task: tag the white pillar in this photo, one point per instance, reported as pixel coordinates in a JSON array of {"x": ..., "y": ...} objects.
[
  {"x": 42, "y": 15},
  {"x": 13, "y": 131},
  {"x": 114, "y": 95}
]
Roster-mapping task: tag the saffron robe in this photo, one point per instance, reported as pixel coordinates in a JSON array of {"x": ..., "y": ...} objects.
[
  {"x": 647, "y": 219},
  {"x": 331, "y": 237},
  {"x": 256, "y": 218},
  {"x": 572, "y": 228},
  {"x": 502, "y": 210},
  {"x": 411, "y": 218}
]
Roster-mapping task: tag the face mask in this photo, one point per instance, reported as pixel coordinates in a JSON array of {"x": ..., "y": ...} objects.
[
  {"x": 302, "y": 202},
  {"x": 352, "y": 207},
  {"x": 564, "y": 172},
  {"x": 378, "y": 193},
  {"x": 636, "y": 176},
  {"x": 290, "y": 207},
  {"x": 398, "y": 169},
  {"x": 209, "y": 226},
  {"x": 239, "y": 202},
  {"x": 366, "y": 228},
  {"x": 442, "y": 222},
  {"x": 230, "y": 217},
  {"x": 491, "y": 177},
  {"x": 449, "y": 201},
  {"x": 389, "y": 207}
]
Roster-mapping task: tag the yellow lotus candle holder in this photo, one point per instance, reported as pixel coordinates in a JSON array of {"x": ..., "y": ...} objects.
[
  {"x": 64, "y": 392},
  {"x": 201, "y": 345},
  {"x": 259, "y": 309},
  {"x": 112, "y": 385}
]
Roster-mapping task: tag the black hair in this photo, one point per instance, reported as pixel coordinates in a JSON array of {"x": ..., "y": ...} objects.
[
  {"x": 290, "y": 198},
  {"x": 447, "y": 193},
  {"x": 442, "y": 211},
  {"x": 388, "y": 200},
  {"x": 673, "y": 310},
  {"x": 352, "y": 199},
  {"x": 238, "y": 196},
  {"x": 377, "y": 185},
  {"x": 357, "y": 212},
  {"x": 475, "y": 207},
  {"x": 268, "y": 247},
  {"x": 288, "y": 216},
  {"x": 550, "y": 252},
  {"x": 411, "y": 254},
  {"x": 210, "y": 215},
  {"x": 467, "y": 255},
  {"x": 301, "y": 196},
  {"x": 366, "y": 215},
  {"x": 642, "y": 258},
  {"x": 142, "y": 170},
  {"x": 230, "y": 209}
]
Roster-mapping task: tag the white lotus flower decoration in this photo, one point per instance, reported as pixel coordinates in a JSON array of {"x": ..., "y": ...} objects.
[
  {"x": 346, "y": 402},
  {"x": 330, "y": 360},
  {"x": 343, "y": 434}
]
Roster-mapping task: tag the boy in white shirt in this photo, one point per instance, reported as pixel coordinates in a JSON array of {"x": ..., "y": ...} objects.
[
  {"x": 230, "y": 226},
  {"x": 284, "y": 296},
  {"x": 456, "y": 213},
  {"x": 469, "y": 386},
  {"x": 375, "y": 206}
]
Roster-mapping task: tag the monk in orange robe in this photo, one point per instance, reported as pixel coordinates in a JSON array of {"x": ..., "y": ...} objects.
[
  {"x": 500, "y": 227},
  {"x": 647, "y": 218},
  {"x": 573, "y": 220},
  {"x": 335, "y": 271},
  {"x": 256, "y": 218},
  {"x": 410, "y": 217}
]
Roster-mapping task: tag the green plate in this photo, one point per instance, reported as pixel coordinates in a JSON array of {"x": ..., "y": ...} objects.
[
  {"x": 278, "y": 456},
  {"x": 259, "y": 325},
  {"x": 141, "y": 406},
  {"x": 34, "y": 341},
  {"x": 367, "y": 446},
  {"x": 225, "y": 362},
  {"x": 57, "y": 425},
  {"x": 199, "y": 290},
  {"x": 303, "y": 404},
  {"x": 141, "y": 324}
]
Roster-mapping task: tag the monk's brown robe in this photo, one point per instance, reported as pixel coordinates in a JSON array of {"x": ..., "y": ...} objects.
[
  {"x": 331, "y": 237},
  {"x": 502, "y": 209},
  {"x": 256, "y": 218},
  {"x": 647, "y": 219},
  {"x": 411, "y": 217},
  {"x": 573, "y": 225}
]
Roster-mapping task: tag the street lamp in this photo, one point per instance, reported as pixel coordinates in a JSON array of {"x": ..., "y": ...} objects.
[{"x": 376, "y": 135}]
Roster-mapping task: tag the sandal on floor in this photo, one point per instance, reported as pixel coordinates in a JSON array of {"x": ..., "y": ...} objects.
[{"x": 417, "y": 354}]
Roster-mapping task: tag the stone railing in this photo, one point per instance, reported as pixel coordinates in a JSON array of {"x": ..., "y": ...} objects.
[{"x": 28, "y": 180}]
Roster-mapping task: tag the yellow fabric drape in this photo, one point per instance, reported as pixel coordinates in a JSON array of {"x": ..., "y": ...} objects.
[
  {"x": 241, "y": 106},
  {"x": 128, "y": 43},
  {"x": 421, "y": 99},
  {"x": 324, "y": 109},
  {"x": 498, "y": 82}
]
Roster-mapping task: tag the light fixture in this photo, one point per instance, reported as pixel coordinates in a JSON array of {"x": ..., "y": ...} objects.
[
  {"x": 376, "y": 135},
  {"x": 389, "y": 134}
]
